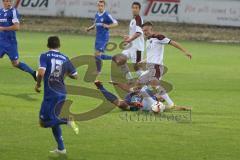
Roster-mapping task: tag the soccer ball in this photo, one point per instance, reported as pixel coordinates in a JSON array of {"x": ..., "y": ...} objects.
[{"x": 158, "y": 107}]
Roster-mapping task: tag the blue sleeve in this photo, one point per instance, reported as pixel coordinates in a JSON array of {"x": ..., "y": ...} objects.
[
  {"x": 16, "y": 16},
  {"x": 70, "y": 68},
  {"x": 43, "y": 61},
  {"x": 110, "y": 19}
]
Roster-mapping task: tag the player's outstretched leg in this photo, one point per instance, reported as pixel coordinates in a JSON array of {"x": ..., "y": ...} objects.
[
  {"x": 24, "y": 67},
  {"x": 109, "y": 96},
  {"x": 57, "y": 133}
]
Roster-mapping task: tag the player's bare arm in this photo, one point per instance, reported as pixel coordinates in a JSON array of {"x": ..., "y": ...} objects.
[
  {"x": 129, "y": 39},
  {"x": 125, "y": 87},
  {"x": 92, "y": 27},
  {"x": 110, "y": 26},
  {"x": 41, "y": 73},
  {"x": 178, "y": 46},
  {"x": 14, "y": 27}
]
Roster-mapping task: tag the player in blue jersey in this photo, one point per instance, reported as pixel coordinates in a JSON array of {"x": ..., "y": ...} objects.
[
  {"x": 9, "y": 24},
  {"x": 103, "y": 22},
  {"x": 138, "y": 98},
  {"x": 54, "y": 66}
]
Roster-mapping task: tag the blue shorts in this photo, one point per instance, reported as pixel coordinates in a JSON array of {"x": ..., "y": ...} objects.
[
  {"x": 10, "y": 49},
  {"x": 51, "y": 109},
  {"x": 100, "y": 46}
]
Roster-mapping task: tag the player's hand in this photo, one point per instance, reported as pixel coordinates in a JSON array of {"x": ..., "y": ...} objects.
[
  {"x": 37, "y": 88},
  {"x": 143, "y": 61},
  {"x": 189, "y": 55},
  {"x": 87, "y": 29},
  {"x": 1, "y": 29},
  {"x": 127, "y": 39},
  {"x": 106, "y": 26}
]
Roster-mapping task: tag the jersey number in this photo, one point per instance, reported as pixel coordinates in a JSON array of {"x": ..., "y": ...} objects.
[{"x": 56, "y": 70}]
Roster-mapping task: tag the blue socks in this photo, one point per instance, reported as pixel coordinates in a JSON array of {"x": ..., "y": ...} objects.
[
  {"x": 24, "y": 67},
  {"x": 57, "y": 132},
  {"x": 99, "y": 61},
  {"x": 109, "y": 96}
]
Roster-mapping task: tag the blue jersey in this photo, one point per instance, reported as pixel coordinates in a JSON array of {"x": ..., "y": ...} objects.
[
  {"x": 57, "y": 65},
  {"x": 102, "y": 34},
  {"x": 7, "y": 19}
]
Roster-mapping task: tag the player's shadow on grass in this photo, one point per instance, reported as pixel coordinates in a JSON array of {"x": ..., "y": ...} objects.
[
  {"x": 24, "y": 96},
  {"x": 62, "y": 157}
]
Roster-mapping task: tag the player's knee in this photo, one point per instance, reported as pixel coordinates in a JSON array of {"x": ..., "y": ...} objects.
[
  {"x": 120, "y": 59},
  {"x": 97, "y": 53},
  {"x": 155, "y": 83}
]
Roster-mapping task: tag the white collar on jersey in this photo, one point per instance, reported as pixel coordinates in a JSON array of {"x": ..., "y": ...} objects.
[
  {"x": 100, "y": 14},
  {"x": 5, "y": 10},
  {"x": 54, "y": 50}
]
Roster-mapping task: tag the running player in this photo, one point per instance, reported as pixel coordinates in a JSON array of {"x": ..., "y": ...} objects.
[
  {"x": 9, "y": 24},
  {"x": 135, "y": 41},
  {"x": 53, "y": 67},
  {"x": 103, "y": 22}
]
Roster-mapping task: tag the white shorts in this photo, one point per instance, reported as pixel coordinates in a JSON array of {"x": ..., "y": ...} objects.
[
  {"x": 153, "y": 72},
  {"x": 133, "y": 55}
]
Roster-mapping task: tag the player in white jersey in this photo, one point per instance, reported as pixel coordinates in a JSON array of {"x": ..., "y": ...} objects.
[
  {"x": 154, "y": 62},
  {"x": 135, "y": 43}
]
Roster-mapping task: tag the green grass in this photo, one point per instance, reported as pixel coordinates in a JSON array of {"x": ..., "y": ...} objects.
[{"x": 209, "y": 83}]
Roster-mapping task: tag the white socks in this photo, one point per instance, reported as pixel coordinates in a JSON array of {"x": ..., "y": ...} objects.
[{"x": 168, "y": 99}]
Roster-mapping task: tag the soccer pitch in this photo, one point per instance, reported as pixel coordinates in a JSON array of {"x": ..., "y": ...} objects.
[{"x": 209, "y": 84}]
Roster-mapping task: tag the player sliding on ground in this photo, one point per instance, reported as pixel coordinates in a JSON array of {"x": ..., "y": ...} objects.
[
  {"x": 138, "y": 98},
  {"x": 135, "y": 43},
  {"x": 103, "y": 22},
  {"x": 9, "y": 24},
  {"x": 53, "y": 67}
]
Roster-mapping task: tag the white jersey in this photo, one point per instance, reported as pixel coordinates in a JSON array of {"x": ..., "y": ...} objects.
[
  {"x": 155, "y": 48},
  {"x": 136, "y": 27}
]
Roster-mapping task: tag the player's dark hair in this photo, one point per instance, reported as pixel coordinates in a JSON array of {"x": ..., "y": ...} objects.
[
  {"x": 102, "y": 1},
  {"x": 137, "y": 4},
  {"x": 150, "y": 24},
  {"x": 53, "y": 42}
]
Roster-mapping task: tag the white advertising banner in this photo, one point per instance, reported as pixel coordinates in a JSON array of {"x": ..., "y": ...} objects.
[{"x": 213, "y": 12}]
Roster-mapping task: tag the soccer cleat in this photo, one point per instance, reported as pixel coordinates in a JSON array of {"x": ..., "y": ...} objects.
[
  {"x": 34, "y": 75},
  {"x": 98, "y": 84},
  {"x": 57, "y": 151},
  {"x": 74, "y": 126}
]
